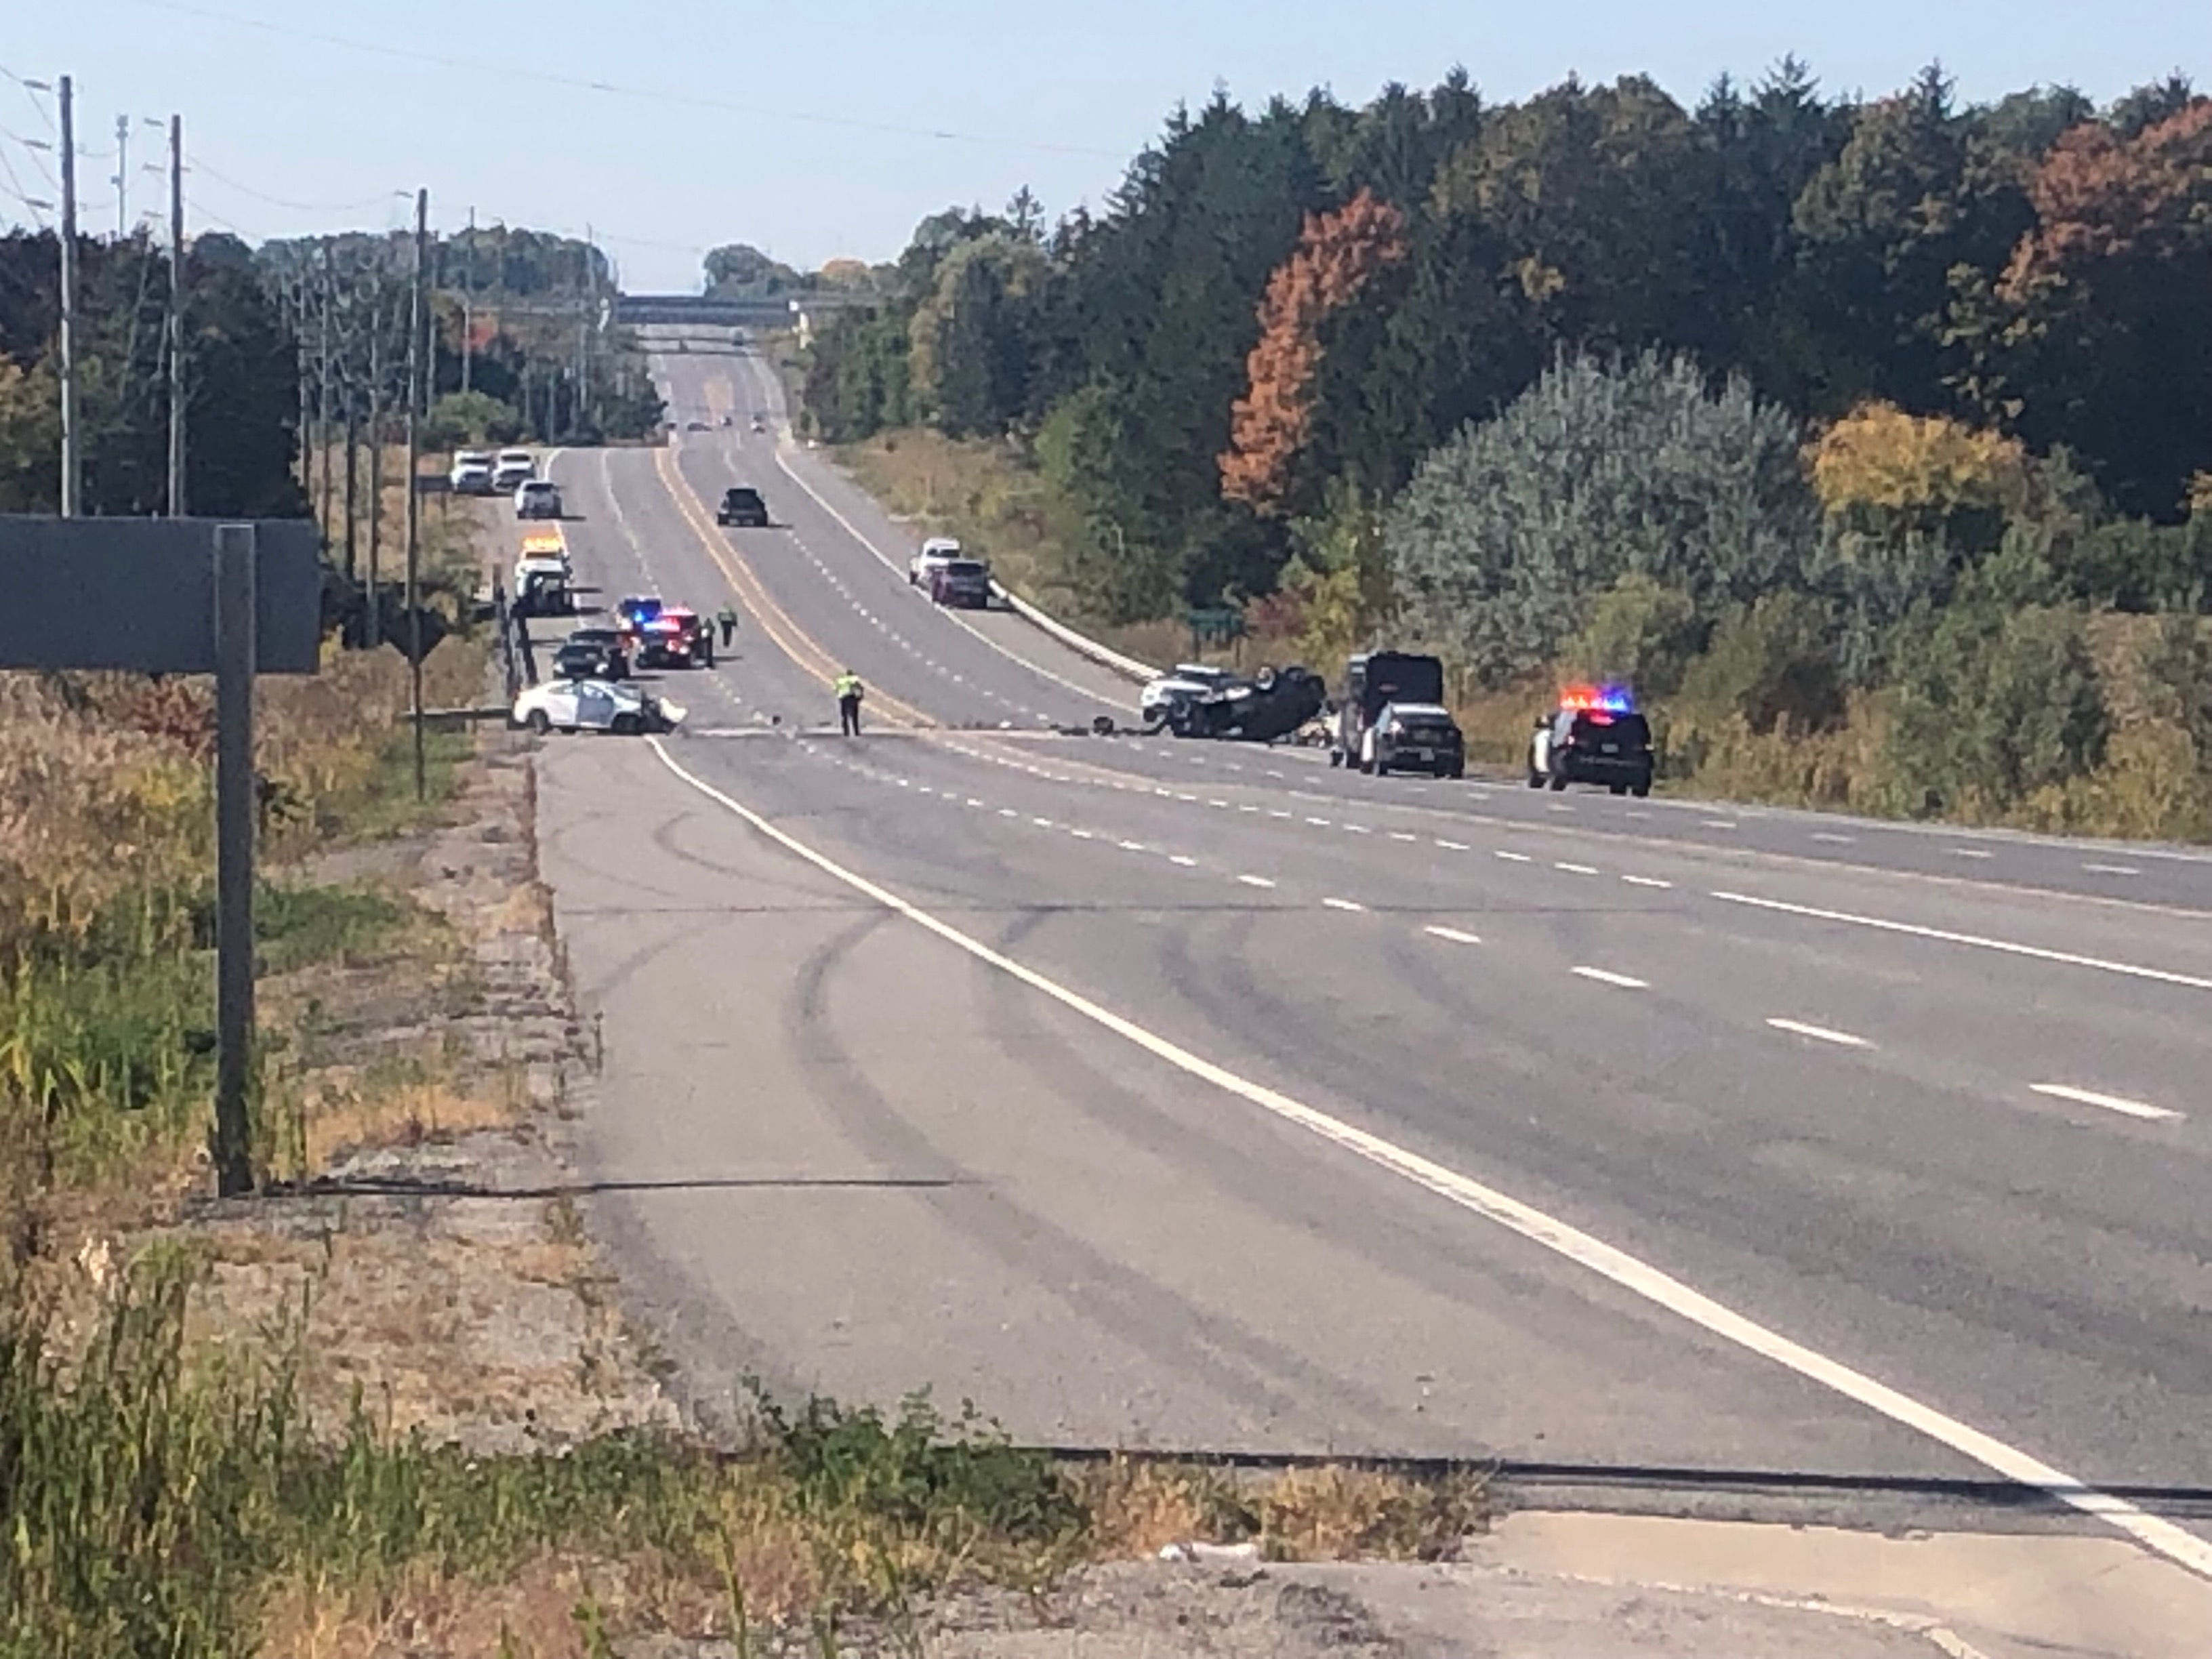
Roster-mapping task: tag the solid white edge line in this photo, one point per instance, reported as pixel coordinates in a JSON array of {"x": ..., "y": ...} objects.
[
  {"x": 2041, "y": 953},
  {"x": 2108, "y": 1103},
  {"x": 2161, "y": 1537},
  {"x": 892, "y": 565},
  {"x": 1821, "y": 1034}
]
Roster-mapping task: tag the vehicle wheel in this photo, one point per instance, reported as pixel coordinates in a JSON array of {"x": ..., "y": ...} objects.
[
  {"x": 1558, "y": 780},
  {"x": 1618, "y": 788},
  {"x": 1535, "y": 779},
  {"x": 537, "y": 722},
  {"x": 1455, "y": 772},
  {"x": 1640, "y": 791},
  {"x": 1335, "y": 757},
  {"x": 625, "y": 726}
]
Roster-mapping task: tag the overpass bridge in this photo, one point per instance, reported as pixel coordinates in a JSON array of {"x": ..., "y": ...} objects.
[{"x": 705, "y": 312}]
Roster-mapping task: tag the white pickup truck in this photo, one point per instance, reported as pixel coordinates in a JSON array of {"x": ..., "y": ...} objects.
[{"x": 936, "y": 553}]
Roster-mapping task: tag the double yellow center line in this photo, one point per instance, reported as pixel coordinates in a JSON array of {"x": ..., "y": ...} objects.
[{"x": 792, "y": 640}]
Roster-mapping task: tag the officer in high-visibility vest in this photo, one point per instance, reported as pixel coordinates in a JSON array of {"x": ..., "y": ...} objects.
[{"x": 848, "y": 704}]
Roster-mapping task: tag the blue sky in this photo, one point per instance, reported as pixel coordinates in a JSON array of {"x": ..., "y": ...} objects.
[{"x": 807, "y": 128}]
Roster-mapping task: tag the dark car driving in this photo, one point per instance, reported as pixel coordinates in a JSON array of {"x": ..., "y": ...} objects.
[
  {"x": 963, "y": 582},
  {"x": 1418, "y": 736},
  {"x": 743, "y": 508}
]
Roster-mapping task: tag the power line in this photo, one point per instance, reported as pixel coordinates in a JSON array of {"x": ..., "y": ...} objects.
[
  {"x": 296, "y": 207},
  {"x": 506, "y": 70}
]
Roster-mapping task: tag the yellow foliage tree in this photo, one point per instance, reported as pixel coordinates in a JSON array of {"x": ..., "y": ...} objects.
[{"x": 1890, "y": 469}]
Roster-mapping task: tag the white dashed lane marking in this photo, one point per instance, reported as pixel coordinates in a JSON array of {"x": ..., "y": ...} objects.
[
  {"x": 1576, "y": 869},
  {"x": 1453, "y": 934},
  {"x": 1605, "y": 976},
  {"x": 1820, "y": 1034},
  {"x": 2106, "y": 1103},
  {"x": 1514, "y": 858},
  {"x": 1255, "y": 881},
  {"x": 1646, "y": 881},
  {"x": 1343, "y": 904},
  {"x": 2112, "y": 869}
]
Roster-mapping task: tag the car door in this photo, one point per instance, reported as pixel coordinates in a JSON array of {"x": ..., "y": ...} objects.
[{"x": 595, "y": 707}]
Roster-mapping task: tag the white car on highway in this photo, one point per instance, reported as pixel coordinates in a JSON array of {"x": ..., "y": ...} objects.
[
  {"x": 1185, "y": 682},
  {"x": 593, "y": 705},
  {"x": 514, "y": 469},
  {"x": 472, "y": 474},
  {"x": 539, "y": 498},
  {"x": 936, "y": 553}
]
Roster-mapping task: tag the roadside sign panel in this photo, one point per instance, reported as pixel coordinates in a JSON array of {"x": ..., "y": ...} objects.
[{"x": 139, "y": 594}]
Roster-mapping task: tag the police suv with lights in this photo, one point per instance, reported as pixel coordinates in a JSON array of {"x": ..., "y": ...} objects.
[{"x": 1596, "y": 735}]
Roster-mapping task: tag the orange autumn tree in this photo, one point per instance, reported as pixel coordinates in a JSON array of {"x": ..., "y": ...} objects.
[{"x": 1338, "y": 254}]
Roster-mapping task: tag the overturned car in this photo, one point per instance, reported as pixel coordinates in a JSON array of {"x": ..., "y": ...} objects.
[{"x": 1274, "y": 704}]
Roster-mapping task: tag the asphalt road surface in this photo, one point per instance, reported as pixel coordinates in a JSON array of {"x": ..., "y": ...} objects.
[{"x": 1188, "y": 1095}]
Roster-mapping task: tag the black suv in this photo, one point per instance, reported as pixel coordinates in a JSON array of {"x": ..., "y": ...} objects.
[
  {"x": 743, "y": 508},
  {"x": 1418, "y": 736},
  {"x": 1581, "y": 744},
  {"x": 590, "y": 654}
]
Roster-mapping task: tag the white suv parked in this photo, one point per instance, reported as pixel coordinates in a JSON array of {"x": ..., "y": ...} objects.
[
  {"x": 471, "y": 473},
  {"x": 515, "y": 468},
  {"x": 936, "y": 553}
]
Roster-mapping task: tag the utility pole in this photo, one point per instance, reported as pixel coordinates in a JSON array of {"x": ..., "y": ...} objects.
[
  {"x": 176, "y": 316},
  {"x": 468, "y": 308},
  {"x": 352, "y": 387},
  {"x": 307, "y": 408},
  {"x": 583, "y": 334},
  {"x": 323, "y": 396},
  {"x": 122, "y": 179},
  {"x": 72, "y": 469},
  {"x": 418, "y": 324},
  {"x": 373, "y": 630}
]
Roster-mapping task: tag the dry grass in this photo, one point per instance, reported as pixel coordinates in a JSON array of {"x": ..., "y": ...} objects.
[{"x": 1137, "y": 1509}]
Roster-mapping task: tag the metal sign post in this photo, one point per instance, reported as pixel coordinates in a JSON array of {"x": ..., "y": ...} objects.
[
  {"x": 183, "y": 596},
  {"x": 235, "y": 799}
]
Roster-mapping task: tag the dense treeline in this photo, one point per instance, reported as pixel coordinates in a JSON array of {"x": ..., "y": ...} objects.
[
  {"x": 240, "y": 353},
  {"x": 1840, "y": 423},
  {"x": 253, "y": 329}
]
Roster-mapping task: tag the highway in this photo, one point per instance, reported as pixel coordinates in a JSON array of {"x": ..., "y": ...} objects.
[{"x": 1184, "y": 1095}]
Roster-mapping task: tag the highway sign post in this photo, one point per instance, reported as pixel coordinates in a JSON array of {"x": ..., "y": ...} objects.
[
  {"x": 181, "y": 596},
  {"x": 1215, "y": 625}
]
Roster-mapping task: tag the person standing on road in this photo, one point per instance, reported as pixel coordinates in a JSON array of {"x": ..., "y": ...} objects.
[
  {"x": 727, "y": 619},
  {"x": 848, "y": 704}
]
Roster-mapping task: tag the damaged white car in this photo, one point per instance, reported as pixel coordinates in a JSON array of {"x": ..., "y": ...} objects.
[{"x": 594, "y": 706}]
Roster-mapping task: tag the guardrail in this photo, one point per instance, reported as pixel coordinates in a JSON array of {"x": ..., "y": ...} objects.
[{"x": 1082, "y": 644}]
